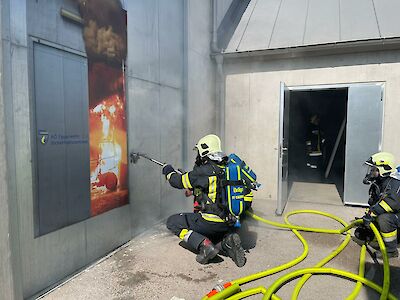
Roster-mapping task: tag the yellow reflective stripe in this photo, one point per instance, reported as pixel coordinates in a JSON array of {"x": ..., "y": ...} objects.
[
  {"x": 241, "y": 207},
  {"x": 248, "y": 197},
  {"x": 185, "y": 177},
  {"x": 184, "y": 182},
  {"x": 240, "y": 196},
  {"x": 238, "y": 172},
  {"x": 183, "y": 233},
  {"x": 229, "y": 191},
  {"x": 373, "y": 214},
  {"x": 212, "y": 188},
  {"x": 385, "y": 206},
  {"x": 389, "y": 236},
  {"x": 211, "y": 218},
  {"x": 247, "y": 175},
  {"x": 232, "y": 160}
]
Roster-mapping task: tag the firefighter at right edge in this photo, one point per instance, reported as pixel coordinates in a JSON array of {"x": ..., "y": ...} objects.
[
  {"x": 206, "y": 230},
  {"x": 384, "y": 201}
]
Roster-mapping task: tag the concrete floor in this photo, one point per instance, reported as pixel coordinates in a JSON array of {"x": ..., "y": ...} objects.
[
  {"x": 155, "y": 266},
  {"x": 323, "y": 193}
]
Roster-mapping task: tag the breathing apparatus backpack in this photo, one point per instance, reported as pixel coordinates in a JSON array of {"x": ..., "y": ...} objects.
[{"x": 238, "y": 182}]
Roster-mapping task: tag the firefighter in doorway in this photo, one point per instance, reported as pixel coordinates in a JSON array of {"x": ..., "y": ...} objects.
[
  {"x": 209, "y": 229},
  {"x": 314, "y": 143},
  {"x": 384, "y": 201}
]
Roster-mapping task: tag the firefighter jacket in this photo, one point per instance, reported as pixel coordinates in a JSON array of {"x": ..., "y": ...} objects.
[
  {"x": 314, "y": 140},
  {"x": 204, "y": 181},
  {"x": 385, "y": 196}
]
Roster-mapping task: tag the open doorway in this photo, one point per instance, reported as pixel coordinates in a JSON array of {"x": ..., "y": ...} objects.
[
  {"x": 317, "y": 145},
  {"x": 356, "y": 110}
]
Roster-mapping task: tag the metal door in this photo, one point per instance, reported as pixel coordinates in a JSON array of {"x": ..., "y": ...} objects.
[
  {"x": 283, "y": 167},
  {"x": 62, "y": 147},
  {"x": 363, "y": 138}
]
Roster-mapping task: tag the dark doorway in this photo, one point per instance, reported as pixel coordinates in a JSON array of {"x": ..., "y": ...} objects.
[{"x": 330, "y": 106}]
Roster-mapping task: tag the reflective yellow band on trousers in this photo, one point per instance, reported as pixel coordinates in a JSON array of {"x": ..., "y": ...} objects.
[
  {"x": 211, "y": 218},
  {"x": 183, "y": 233},
  {"x": 389, "y": 236}
]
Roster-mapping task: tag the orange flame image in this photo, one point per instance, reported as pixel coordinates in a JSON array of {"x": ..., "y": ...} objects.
[{"x": 108, "y": 149}]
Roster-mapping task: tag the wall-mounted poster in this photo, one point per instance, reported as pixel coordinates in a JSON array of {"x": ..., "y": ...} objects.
[
  {"x": 107, "y": 136},
  {"x": 106, "y": 43}
]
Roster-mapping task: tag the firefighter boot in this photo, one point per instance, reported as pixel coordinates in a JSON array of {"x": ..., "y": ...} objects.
[
  {"x": 391, "y": 249},
  {"x": 231, "y": 244},
  {"x": 207, "y": 251}
]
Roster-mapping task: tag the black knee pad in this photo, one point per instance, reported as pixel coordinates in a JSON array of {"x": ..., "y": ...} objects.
[{"x": 171, "y": 222}]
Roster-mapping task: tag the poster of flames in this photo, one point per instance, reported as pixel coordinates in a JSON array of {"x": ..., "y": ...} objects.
[
  {"x": 105, "y": 39},
  {"x": 107, "y": 138}
]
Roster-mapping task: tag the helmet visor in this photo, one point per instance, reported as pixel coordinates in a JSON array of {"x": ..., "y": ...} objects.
[{"x": 372, "y": 173}]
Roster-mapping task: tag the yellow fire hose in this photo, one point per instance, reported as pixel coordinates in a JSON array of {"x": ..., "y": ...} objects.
[
  {"x": 361, "y": 272},
  {"x": 233, "y": 292}
]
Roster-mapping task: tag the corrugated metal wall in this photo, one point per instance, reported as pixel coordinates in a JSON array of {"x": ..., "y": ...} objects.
[{"x": 271, "y": 24}]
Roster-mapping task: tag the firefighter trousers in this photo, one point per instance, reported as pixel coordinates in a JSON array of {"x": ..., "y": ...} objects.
[
  {"x": 388, "y": 226},
  {"x": 193, "y": 228}
]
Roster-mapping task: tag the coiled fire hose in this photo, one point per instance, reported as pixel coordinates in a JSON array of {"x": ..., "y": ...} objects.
[{"x": 232, "y": 291}]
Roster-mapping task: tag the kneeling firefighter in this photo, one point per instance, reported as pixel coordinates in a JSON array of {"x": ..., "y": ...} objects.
[
  {"x": 384, "y": 201},
  {"x": 221, "y": 186}
]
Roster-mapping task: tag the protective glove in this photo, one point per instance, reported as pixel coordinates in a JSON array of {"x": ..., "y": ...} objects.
[
  {"x": 167, "y": 169},
  {"x": 188, "y": 193},
  {"x": 196, "y": 206}
]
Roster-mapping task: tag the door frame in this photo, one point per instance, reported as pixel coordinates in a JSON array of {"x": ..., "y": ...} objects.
[{"x": 315, "y": 87}]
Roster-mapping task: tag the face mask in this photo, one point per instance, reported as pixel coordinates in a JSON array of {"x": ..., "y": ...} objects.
[{"x": 199, "y": 160}]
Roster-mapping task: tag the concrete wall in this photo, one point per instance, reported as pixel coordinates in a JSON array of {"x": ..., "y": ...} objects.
[
  {"x": 201, "y": 107},
  {"x": 169, "y": 82},
  {"x": 6, "y": 265},
  {"x": 253, "y": 98},
  {"x": 14, "y": 74},
  {"x": 155, "y": 106}
]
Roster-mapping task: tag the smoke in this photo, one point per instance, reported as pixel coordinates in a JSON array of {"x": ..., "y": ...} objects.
[
  {"x": 103, "y": 41},
  {"x": 104, "y": 81},
  {"x": 105, "y": 30}
]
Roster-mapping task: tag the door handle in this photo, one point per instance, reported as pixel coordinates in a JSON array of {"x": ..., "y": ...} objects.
[{"x": 281, "y": 150}]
